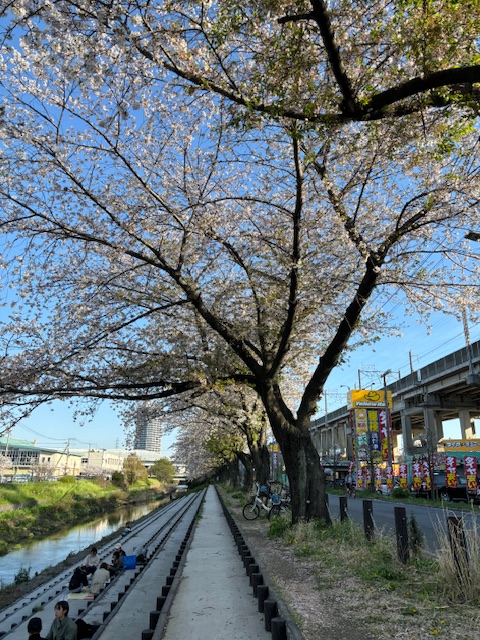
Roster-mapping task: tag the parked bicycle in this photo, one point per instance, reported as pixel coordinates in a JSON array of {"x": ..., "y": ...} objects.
[
  {"x": 267, "y": 500},
  {"x": 351, "y": 490}
]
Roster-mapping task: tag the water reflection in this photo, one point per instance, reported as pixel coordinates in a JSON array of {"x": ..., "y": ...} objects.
[{"x": 38, "y": 555}]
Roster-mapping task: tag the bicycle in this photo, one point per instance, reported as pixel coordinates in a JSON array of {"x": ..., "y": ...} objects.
[
  {"x": 275, "y": 505},
  {"x": 280, "y": 509},
  {"x": 351, "y": 491}
]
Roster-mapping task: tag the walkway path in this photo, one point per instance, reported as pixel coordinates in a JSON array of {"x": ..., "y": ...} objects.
[{"x": 214, "y": 599}]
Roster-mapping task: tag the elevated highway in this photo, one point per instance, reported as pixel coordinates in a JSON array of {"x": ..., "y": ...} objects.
[{"x": 443, "y": 390}]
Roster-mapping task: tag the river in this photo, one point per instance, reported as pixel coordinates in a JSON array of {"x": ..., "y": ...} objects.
[{"x": 38, "y": 555}]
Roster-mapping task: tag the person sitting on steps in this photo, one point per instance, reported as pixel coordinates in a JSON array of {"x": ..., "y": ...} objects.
[
  {"x": 34, "y": 627},
  {"x": 78, "y": 580}
]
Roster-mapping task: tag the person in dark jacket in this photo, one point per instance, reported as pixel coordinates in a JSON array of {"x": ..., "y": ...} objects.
[
  {"x": 78, "y": 581},
  {"x": 117, "y": 563},
  {"x": 34, "y": 627},
  {"x": 63, "y": 627}
]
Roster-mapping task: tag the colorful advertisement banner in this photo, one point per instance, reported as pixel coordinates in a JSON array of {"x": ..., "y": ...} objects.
[
  {"x": 382, "y": 418},
  {"x": 451, "y": 471},
  {"x": 361, "y": 430},
  {"x": 426, "y": 475},
  {"x": 372, "y": 419},
  {"x": 470, "y": 464},
  {"x": 378, "y": 478},
  {"x": 389, "y": 475},
  {"x": 403, "y": 475},
  {"x": 360, "y": 479},
  {"x": 417, "y": 475}
]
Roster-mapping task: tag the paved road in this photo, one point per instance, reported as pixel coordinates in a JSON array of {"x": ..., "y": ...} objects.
[{"x": 431, "y": 520}]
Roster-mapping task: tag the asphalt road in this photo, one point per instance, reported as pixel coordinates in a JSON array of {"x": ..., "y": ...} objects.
[{"x": 431, "y": 520}]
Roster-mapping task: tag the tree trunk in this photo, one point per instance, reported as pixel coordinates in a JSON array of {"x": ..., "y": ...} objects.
[
  {"x": 246, "y": 461},
  {"x": 305, "y": 474},
  {"x": 261, "y": 463}
]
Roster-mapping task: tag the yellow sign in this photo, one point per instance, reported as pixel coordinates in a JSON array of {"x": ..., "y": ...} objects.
[
  {"x": 368, "y": 398},
  {"x": 467, "y": 446}
]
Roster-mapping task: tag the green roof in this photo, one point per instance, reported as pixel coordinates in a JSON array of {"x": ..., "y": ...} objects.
[{"x": 25, "y": 445}]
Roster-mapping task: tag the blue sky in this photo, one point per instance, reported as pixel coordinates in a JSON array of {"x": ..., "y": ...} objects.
[
  {"x": 425, "y": 345},
  {"x": 54, "y": 425}
]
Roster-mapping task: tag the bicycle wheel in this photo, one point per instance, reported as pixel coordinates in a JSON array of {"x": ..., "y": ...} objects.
[
  {"x": 277, "y": 510},
  {"x": 251, "y": 511}
]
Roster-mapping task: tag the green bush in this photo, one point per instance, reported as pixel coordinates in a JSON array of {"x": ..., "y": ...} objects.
[
  {"x": 118, "y": 479},
  {"x": 67, "y": 480},
  {"x": 22, "y": 576},
  {"x": 400, "y": 493},
  {"x": 416, "y": 539},
  {"x": 279, "y": 526}
]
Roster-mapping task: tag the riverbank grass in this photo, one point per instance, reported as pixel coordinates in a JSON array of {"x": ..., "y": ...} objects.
[{"x": 38, "y": 509}]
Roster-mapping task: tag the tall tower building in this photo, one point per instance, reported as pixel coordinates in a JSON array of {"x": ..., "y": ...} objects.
[{"x": 148, "y": 435}]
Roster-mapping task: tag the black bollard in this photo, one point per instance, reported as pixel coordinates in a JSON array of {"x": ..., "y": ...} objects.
[
  {"x": 270, "y": 609},
  {"x": 256, "y": 579},
  {"x": 368, "y": 525},
  {"x": 343, "y": 508},
  {"x": 401, "y": 531},
  {"x": 154, "y": 616},
  {"x": 458, "y": 544},
  {"x": 279, "y": 629},
  {"x": 262, "y": 595},
  {"x": 251, "y": 569}
]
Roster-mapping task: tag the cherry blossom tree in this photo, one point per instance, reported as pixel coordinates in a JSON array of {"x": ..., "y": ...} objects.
[
  {"x": 234, "y": 427},
  {"x": 196, "y": 193},
  {"x": 5, "y": 464}
]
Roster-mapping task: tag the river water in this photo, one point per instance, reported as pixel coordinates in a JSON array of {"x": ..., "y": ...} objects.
[{"x": 38, "y": 555}]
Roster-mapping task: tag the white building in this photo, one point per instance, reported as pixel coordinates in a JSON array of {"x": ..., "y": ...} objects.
[
  {"x": 148, "y": 435},
  {"x": 106, "y": 461}
]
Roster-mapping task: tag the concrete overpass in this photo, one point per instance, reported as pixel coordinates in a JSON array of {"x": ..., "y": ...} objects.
[{"x": 443, "y": 390}]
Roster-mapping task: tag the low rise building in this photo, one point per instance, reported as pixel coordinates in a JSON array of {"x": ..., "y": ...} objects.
[{"x": 22, "y": 460}]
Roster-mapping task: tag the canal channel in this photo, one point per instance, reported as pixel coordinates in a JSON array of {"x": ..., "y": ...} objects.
[{"x": 36, "y": 555}]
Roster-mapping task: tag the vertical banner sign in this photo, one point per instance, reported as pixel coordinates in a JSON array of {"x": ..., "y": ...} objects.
[
  {"x": 451, "y": 469},
  {"x": 383, "y": 432},
  {"x": 382, "y": 419},
  {"x": 362, "y": 433},
  {"x": 403, "y": 476},
  {"x": 378, "y": 478},
  {"x": 360, "y": 478},
  {"x": 389, "y": 472},
  {"x": 365, "y": 405},
  {"x": 470, "y": 465},
  {"x": 426, "y": 475},
  {"x": 372, "y": 417},
  {"x": 417, "y": 475},
  {"x": 368, "y": 476},
  {"x": 352, "y": 432}
]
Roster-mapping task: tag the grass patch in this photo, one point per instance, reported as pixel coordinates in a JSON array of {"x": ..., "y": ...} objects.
[
  {"x": 459, "y": 562},
  {"x": 279, "y": 526},
  {"x": 342, "y": 550}
]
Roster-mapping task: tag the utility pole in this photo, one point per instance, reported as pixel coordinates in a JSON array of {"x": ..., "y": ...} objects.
[{"x": 387, "y": 418}]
